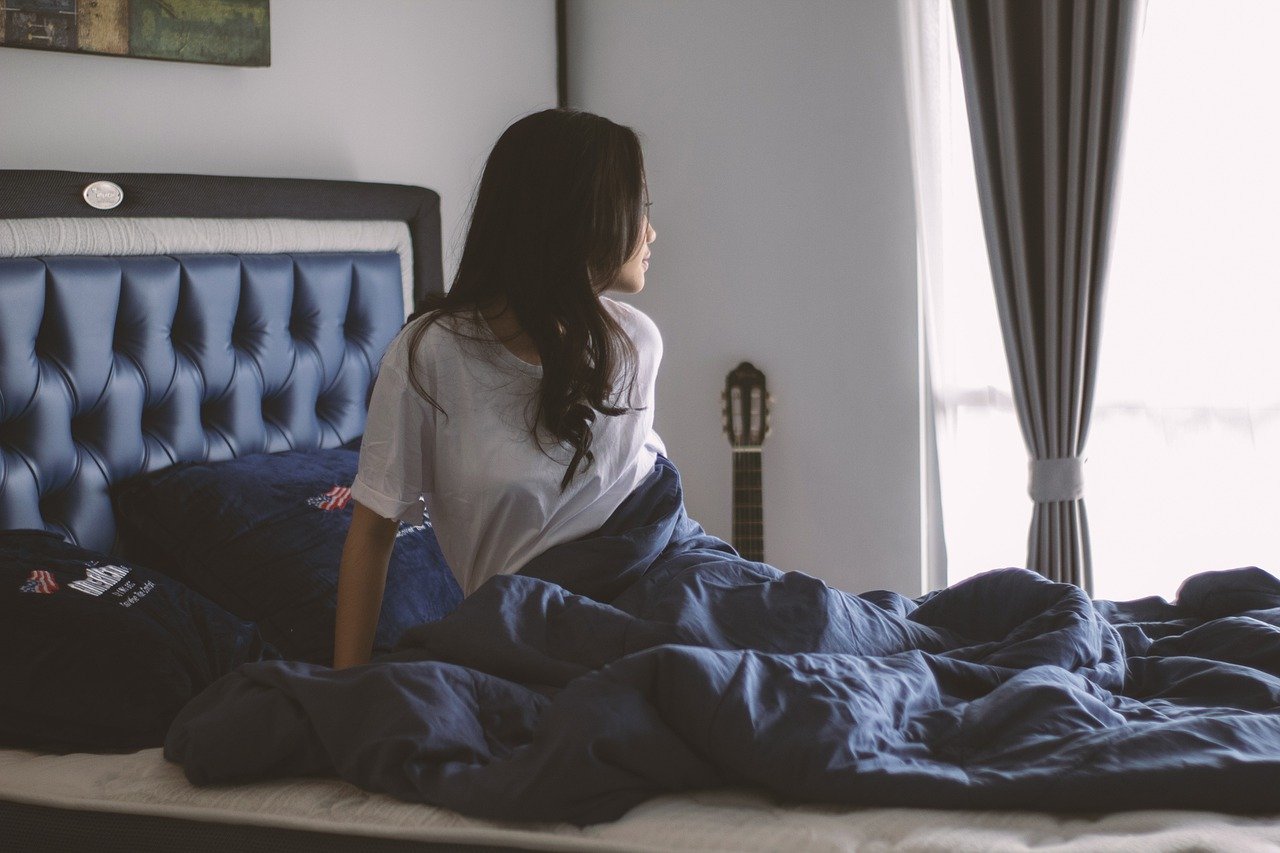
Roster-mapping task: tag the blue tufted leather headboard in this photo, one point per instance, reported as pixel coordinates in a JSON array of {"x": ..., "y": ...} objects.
[{"x": 112, "y": 365}]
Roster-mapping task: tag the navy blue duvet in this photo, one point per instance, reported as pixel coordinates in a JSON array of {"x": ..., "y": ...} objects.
[{"x": 651, "y": 658}]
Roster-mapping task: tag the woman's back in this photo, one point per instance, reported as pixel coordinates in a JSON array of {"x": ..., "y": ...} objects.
[{"x": 493, "y": 495}]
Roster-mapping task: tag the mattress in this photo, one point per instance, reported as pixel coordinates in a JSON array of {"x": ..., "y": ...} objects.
[{"x": 140, "y": 801}]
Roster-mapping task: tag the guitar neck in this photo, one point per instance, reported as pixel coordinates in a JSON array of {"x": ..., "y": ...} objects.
[{"x": 748, "y": 505}]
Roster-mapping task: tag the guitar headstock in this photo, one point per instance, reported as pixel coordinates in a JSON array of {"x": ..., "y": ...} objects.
[{"x": 746, "y": 407}]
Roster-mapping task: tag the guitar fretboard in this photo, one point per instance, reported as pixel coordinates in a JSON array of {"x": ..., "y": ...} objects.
[{"x": 748, "y": 505}]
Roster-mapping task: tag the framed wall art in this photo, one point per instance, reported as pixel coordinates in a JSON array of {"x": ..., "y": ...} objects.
[{"x": 222, "y": 32}]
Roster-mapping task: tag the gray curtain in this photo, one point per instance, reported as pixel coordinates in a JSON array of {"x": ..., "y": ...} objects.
[{"x": 1045, "y": 83}]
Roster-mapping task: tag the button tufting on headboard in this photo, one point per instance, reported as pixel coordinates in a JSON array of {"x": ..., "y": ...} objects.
[{"x": 111, "y": 366}]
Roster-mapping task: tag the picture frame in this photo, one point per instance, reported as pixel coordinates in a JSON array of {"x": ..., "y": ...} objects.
[{"x": 219, "y": 32}]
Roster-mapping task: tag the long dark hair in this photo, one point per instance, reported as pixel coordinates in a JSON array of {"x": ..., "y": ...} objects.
[{"x": 559, "y": 210}]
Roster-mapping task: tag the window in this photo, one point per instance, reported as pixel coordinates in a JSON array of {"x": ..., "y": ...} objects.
[{"x": 1183, "y": 450}]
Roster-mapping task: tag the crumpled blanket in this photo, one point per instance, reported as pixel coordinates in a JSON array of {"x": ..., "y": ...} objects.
[{"x": 650, "y": 657}]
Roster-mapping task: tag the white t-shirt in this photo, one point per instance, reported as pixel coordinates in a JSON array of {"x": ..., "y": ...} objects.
[{"x": 493, "y": 496}]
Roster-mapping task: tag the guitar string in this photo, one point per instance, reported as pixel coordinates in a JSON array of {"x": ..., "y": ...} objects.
[{"x": 749, "y": 520}]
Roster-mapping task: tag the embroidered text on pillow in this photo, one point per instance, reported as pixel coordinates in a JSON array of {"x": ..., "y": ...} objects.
[
  {"x": 336, "y": 498},
  {"x": 99, "y": 579},
  {"x": 405, "y": 529}
]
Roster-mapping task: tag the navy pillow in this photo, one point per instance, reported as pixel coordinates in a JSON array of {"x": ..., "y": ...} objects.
[
  {"x": 100, "y": 654},
  {"x": 262, "y": 536}
]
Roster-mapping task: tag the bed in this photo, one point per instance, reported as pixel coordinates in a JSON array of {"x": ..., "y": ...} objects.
[{"x": 217, "y": 336}]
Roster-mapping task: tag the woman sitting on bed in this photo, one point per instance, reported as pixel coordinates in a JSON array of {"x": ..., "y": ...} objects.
[{"x": 519, "y": 405}]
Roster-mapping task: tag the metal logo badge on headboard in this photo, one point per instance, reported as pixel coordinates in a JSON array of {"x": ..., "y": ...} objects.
[{"x": 103, "y": 195}]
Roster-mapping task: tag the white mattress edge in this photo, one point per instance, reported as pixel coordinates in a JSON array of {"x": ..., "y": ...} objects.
[
  {"x": 526, "y": 839},
  {"x": 143, "y": 783}
]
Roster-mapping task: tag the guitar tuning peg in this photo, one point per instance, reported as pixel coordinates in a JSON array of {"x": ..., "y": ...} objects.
[
  {"x": 768, "y": 431},
  {"x": 724, "y": 395},
  {"x": 768, "y": 398}
]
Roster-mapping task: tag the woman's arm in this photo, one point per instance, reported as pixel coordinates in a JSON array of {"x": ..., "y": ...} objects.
[{"x": 362, "y": 577}]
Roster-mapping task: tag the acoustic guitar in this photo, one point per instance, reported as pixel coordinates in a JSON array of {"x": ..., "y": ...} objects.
[{"x": 746, "y": 421}]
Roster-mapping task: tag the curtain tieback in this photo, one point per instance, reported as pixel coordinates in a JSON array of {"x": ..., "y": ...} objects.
[{"x": 1053, "y": 480}]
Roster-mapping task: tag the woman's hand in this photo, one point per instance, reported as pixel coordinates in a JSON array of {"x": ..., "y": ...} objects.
[{"x": 362, "y": 578}]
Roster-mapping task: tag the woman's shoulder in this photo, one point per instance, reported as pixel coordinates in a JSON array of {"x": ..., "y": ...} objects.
[
  {"x": 426, "y": 342},
  {"x": 643, "y": 331}
]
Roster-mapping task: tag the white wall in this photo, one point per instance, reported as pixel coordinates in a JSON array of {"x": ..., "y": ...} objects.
[
  {"x": 402, "y": 91},
  {"x": 777, "y": 153},
  {"x": 777, "y": 150}
]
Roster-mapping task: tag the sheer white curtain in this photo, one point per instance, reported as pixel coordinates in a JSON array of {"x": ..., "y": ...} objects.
[
  {"x": 982, "y": 465},
  {"x": 1183, "y": 470}
]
